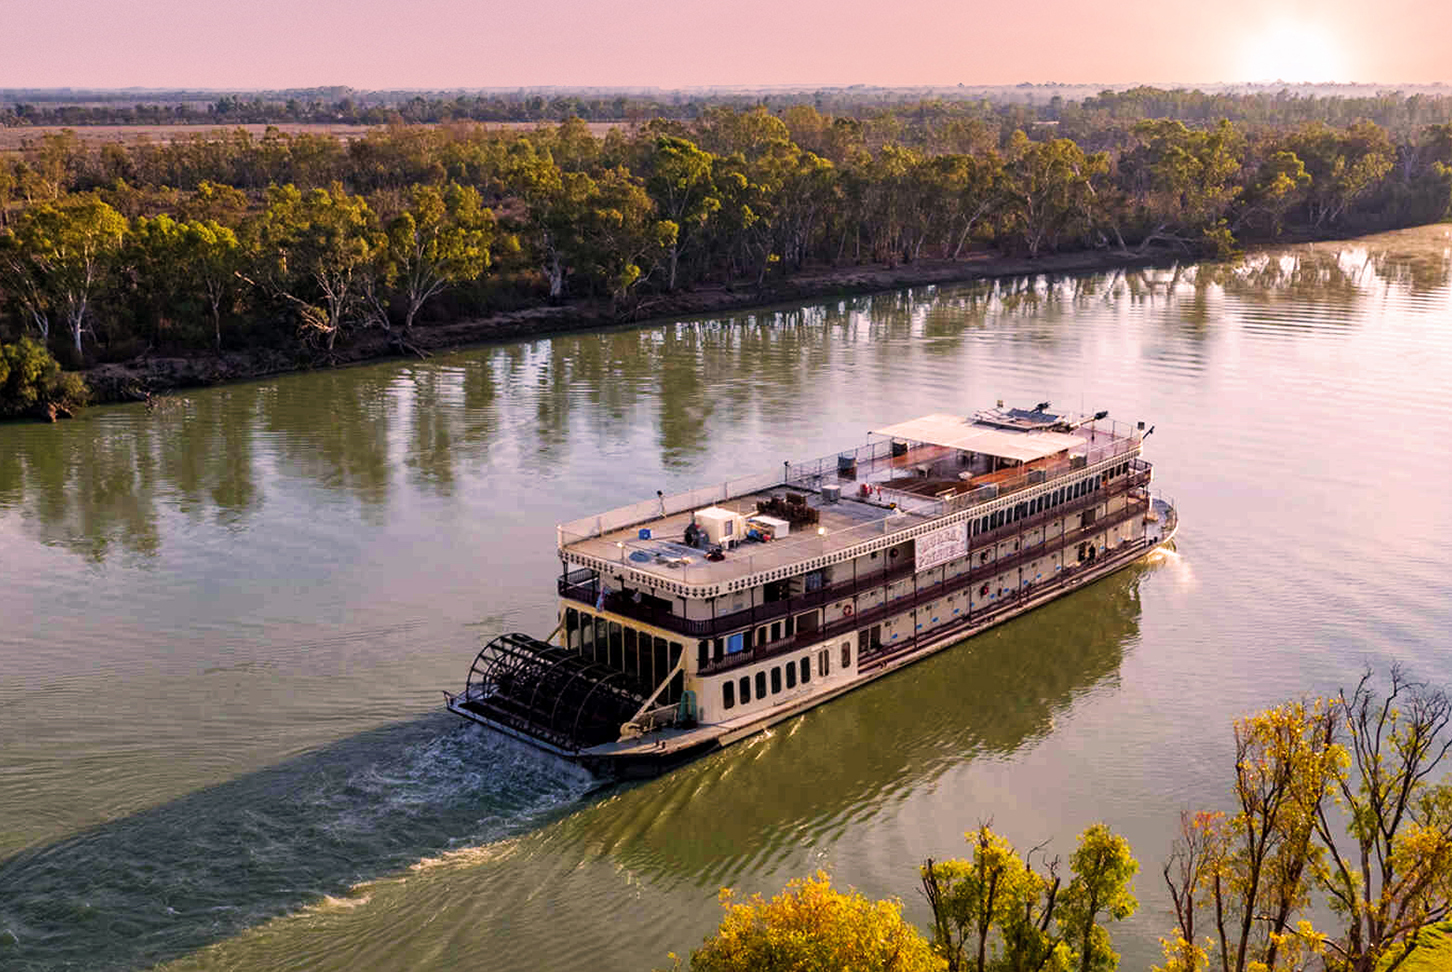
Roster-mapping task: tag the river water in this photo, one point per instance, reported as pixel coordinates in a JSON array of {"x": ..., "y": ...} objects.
[{"x": 224, "y": 624}]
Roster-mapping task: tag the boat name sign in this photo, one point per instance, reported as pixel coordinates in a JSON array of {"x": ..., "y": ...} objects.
[{"x": 940, "y": 546}]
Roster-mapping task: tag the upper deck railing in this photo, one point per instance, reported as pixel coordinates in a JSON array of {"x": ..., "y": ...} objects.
[
  {"x": 584, "y": 586},
  {"x": 901, "y": 508}
]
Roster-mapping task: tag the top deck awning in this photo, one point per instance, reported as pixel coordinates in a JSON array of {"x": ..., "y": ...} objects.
[{"x": 957, "y": 432}]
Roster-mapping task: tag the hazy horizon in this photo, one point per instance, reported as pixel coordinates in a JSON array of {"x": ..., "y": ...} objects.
[{"x": 448, "y": 44}]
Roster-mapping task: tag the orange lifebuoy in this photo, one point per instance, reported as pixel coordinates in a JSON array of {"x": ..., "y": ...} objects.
[{"x": 847, "y": 611}]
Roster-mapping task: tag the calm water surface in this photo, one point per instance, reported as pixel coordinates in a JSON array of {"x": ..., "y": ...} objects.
[{"x": 224, "y": 625}]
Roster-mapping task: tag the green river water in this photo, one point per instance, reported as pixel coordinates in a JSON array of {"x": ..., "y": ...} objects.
[{"x": 224, "y": 624}]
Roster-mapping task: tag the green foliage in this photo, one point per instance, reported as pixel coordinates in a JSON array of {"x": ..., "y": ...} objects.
[
  {"x": 319, "y": 251},
  {"x": 57, "y": 256},
  {"x": 441, "y": 239},
  {"x": 30, "y": 379},
  {"x": 812, "y": 927},
  {"x": 268, "y": 238},
  {"x": 995, "y": 912},
  {"x": 1432, "y": 954},
  {"x": 1048, "y": 191}
]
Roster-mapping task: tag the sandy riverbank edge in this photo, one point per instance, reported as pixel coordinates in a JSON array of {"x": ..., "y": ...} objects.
[{"x": 152, "y": 375}]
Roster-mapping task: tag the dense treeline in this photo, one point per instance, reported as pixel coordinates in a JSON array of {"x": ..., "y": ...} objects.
[
  {"x": 1335, "y": 857},
  {"x": 1083, "y": 118},
  {"x": 234, "y": 240}
]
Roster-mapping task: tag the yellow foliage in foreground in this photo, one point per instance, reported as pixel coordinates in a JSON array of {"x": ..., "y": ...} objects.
[{"x": 810, "y": 927}]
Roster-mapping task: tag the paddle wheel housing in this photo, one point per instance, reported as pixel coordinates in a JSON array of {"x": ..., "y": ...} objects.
[{"x": 548, "y": 694}]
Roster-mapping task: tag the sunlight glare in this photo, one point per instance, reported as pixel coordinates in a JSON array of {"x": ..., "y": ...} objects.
[{"x": 1293, "y": 52}]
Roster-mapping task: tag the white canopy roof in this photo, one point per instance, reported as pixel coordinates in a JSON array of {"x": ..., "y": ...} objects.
[{"x": 957, "y": 432}]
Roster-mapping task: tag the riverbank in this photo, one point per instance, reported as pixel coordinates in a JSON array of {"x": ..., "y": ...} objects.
[{"x": 150, "y": 375}]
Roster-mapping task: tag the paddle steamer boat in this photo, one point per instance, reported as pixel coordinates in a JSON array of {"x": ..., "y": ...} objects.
[{"x": 689, "y": 622}]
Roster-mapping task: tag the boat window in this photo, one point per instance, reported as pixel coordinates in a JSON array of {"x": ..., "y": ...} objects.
[
  {"x": 761, "y": 685},
  {"x": 776, "y": 631},
  {"x": 587, "y": 634},
  {"x": 806, "y": 665},
  {"x": 716, "y": 649},
  {"x": 661, "y": 661},
  {"x": 776, "y": 680},
  {"x": 791, "y": 675},
  {"x": 761, "y": 635},
  {"x": 807, "y": 622},
  {"x": 745, "y": 686},
  {"x": 572, "y": 629},
  {"x": 984, "y": 521},
  {"x": 736, "y": 643},
  {"x": 824, "y": 663},
  {"x": 728, "y": 694},
  {"x": 846, "y": 654}
]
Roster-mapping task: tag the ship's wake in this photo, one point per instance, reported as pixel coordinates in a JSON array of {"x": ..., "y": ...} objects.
[{"x": 311, "y": 832}]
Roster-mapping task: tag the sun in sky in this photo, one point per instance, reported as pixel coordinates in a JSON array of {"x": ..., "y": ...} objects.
[{"x": 1292, "y": 51}]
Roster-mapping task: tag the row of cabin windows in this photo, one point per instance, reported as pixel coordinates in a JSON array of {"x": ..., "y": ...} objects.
[
  {"x": 742, "y": 686},
  {"x": 716, "y": 649},
  {"x": 1047, "y": 501},
  {"x": 637, "y": 653}
]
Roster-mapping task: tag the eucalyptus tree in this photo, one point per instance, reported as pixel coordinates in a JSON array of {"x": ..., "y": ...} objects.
[
  {"x": 441, "y": 239},
  {"x": 1279, "y": 185},
  {"x": 555, "y": 204},
  {"x": 624, "y": 238},
  {"x": 1180, "y": 182},
  {"x": 314, "y": 250},
  {"x": 1344, "y": 165},
  {"x": 56, "y": 257},
  {"x": 680, "y": 181},
  {"x": 961, "y": 192},
  {"x": 214, "y": 254},
  {"x": 1048, "y": 189}
]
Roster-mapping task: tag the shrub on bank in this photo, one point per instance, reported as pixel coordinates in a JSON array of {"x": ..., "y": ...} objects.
[{"x": 32, "y": 382}]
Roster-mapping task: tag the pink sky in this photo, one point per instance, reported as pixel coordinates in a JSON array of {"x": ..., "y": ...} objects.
[{"x": 671, "y": 43}]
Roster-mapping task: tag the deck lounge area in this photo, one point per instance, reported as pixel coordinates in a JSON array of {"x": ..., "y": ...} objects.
[{"x": 884, "y": 487}]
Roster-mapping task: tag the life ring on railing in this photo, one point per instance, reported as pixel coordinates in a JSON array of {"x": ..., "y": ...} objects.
[
  {"x": 847, "y": 611},
  {"x": 983, "y": 591}
]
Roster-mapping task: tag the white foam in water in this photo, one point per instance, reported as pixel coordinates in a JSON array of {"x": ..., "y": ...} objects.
[{"x": 466, "y": 764}]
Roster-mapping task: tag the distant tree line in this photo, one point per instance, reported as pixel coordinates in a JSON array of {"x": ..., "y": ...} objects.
[
  {"x": 231, "y": 240},
  {"x": 1094, "y": 120}
]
